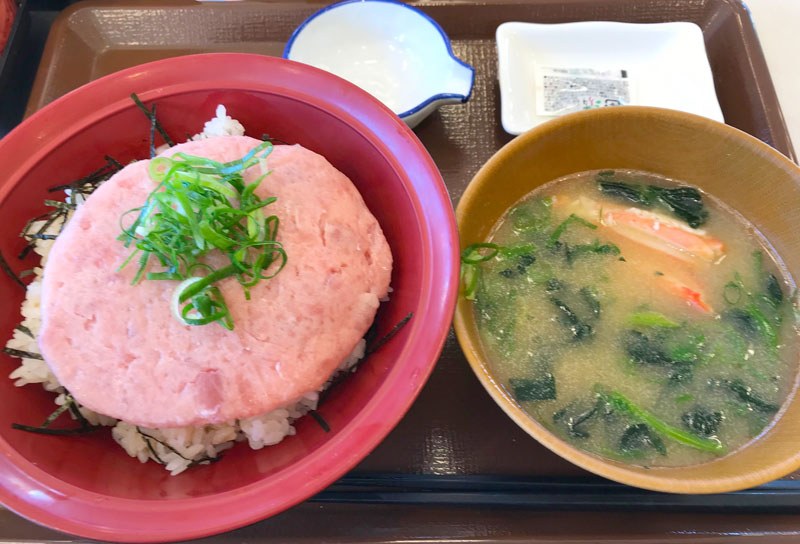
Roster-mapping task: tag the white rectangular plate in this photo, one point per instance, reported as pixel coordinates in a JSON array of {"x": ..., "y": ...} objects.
[{"x": 666, "y": 63}]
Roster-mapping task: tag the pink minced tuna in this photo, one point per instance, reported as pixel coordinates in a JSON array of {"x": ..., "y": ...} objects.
[{"x": 120, "y": 351}]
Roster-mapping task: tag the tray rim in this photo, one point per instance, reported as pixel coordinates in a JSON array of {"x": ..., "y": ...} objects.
[
  {"x": 339, "y": 491},
  {"x": 550, "y": 493}
]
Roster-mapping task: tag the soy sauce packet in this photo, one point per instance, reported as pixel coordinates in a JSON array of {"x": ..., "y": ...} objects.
[{"x": 561, "y": 90}]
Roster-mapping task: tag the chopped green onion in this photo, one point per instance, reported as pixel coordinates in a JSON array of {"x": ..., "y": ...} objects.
[
  {"x": 563, "y": 226},
  {"x": 651, "y": 319},
  {"x": 469, "y": 275},
  {"x": 472, "y": 254},
  {"x": 732, "y": 293},
  {"x": 764, "y": 326},
  {"x": 200, "y": 205}
]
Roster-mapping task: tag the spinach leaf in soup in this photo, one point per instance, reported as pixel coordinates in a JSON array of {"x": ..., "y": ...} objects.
[
  {"x": 620, "y": 403},
  {"x": 742, "y": 321},
  {"x": 770, "y": 287},
  {"x": 591, "y": 299},
  {"x": 685, "y": 203},
  {"x": 639, "y": 437},
  {"x": 573, "y": 252},
  {"x": 651, "y": 319},
  {"x": 756, "y": 313},
  {"x": 578, "y": 417},
  {"x": 702, "y": 422},
  {"x": 747, "y": 395},
  {"x": 644, "y": 350},
  {"x": 574, "y": 309},
  {"x": 773, "y": 289},
  {"x": 515, "y": 260},
  {"x": 751, "y": 322},
  {"x": 525, "y": 390},
  {"x": 674, "y": 351},
  {"x": 578, "y": 328}
]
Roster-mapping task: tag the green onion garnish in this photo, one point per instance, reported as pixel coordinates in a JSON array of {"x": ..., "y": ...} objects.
[{"x": 201, "y": 205}]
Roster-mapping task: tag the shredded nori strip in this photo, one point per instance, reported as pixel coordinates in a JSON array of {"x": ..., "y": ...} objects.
[
  {"x": 10, "y": 272},
  {"x": 51, "y": 217},
  {"x": 83, "y": 186},
  {"x": 79, "y": 182},
  {"x": 52, "y": 417},
  {"x": 58, "y": 204},
  {"x": 267, "y": 138},
  {"x": 148, "y": 438},
  {"x": 76, "y": 412},
  {"x": 321, "y": 420},
  {"x": 25, "y": 330},
  {"x": 55, "y": 432},
  {"x": 153, "y": 133},
  {"x": 69, "y": 404},
  {"x": 89, "y": 179},
  {"x": 380, "y": 343},
  {"x": 32, "y": 220},
  {"x": 22, "y": 354},
  {"x": 74, "y": 409},
  {"x": 87, "y": 184},
  {"x": 114, "y": 163},
  {"x": 371, "y": 333},
  {"x": 151, "y": 115}
]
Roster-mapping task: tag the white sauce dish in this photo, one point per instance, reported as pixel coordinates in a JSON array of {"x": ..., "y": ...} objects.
[{"x": 393, "y": 51}]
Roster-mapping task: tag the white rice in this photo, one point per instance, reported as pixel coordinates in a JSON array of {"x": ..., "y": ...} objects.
[
  {"x": 178, "y": 448},
  {"x": 220, "y": 125}
]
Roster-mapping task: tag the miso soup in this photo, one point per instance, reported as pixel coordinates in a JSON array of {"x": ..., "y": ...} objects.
[{"x": 635, "y": 317}]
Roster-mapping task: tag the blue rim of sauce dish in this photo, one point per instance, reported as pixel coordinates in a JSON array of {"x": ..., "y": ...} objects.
[{"x": 444, "y": 36}]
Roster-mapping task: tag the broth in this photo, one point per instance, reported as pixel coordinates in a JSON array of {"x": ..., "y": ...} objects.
[{"x": 627, "y": 332}]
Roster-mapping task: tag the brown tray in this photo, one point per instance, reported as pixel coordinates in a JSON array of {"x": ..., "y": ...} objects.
[{"x": 454, "y": 436}]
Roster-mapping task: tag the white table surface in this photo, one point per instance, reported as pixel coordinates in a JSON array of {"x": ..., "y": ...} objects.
[{"x": 777, "y": 23}]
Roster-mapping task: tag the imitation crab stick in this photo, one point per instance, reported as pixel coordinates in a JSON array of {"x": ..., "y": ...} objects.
[
  {"x": 691, "y": 294},
  {"x": 648, "y": 228}
]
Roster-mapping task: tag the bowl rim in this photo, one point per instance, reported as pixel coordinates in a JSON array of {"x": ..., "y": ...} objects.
[
  {"x": 428, "y": 101},
  {"x": 48, "y": 500},
  {"x": 472, "y": 347}
]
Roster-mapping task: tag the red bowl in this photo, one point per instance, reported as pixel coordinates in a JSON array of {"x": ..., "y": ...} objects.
[{"x": 88, "y": 485}]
